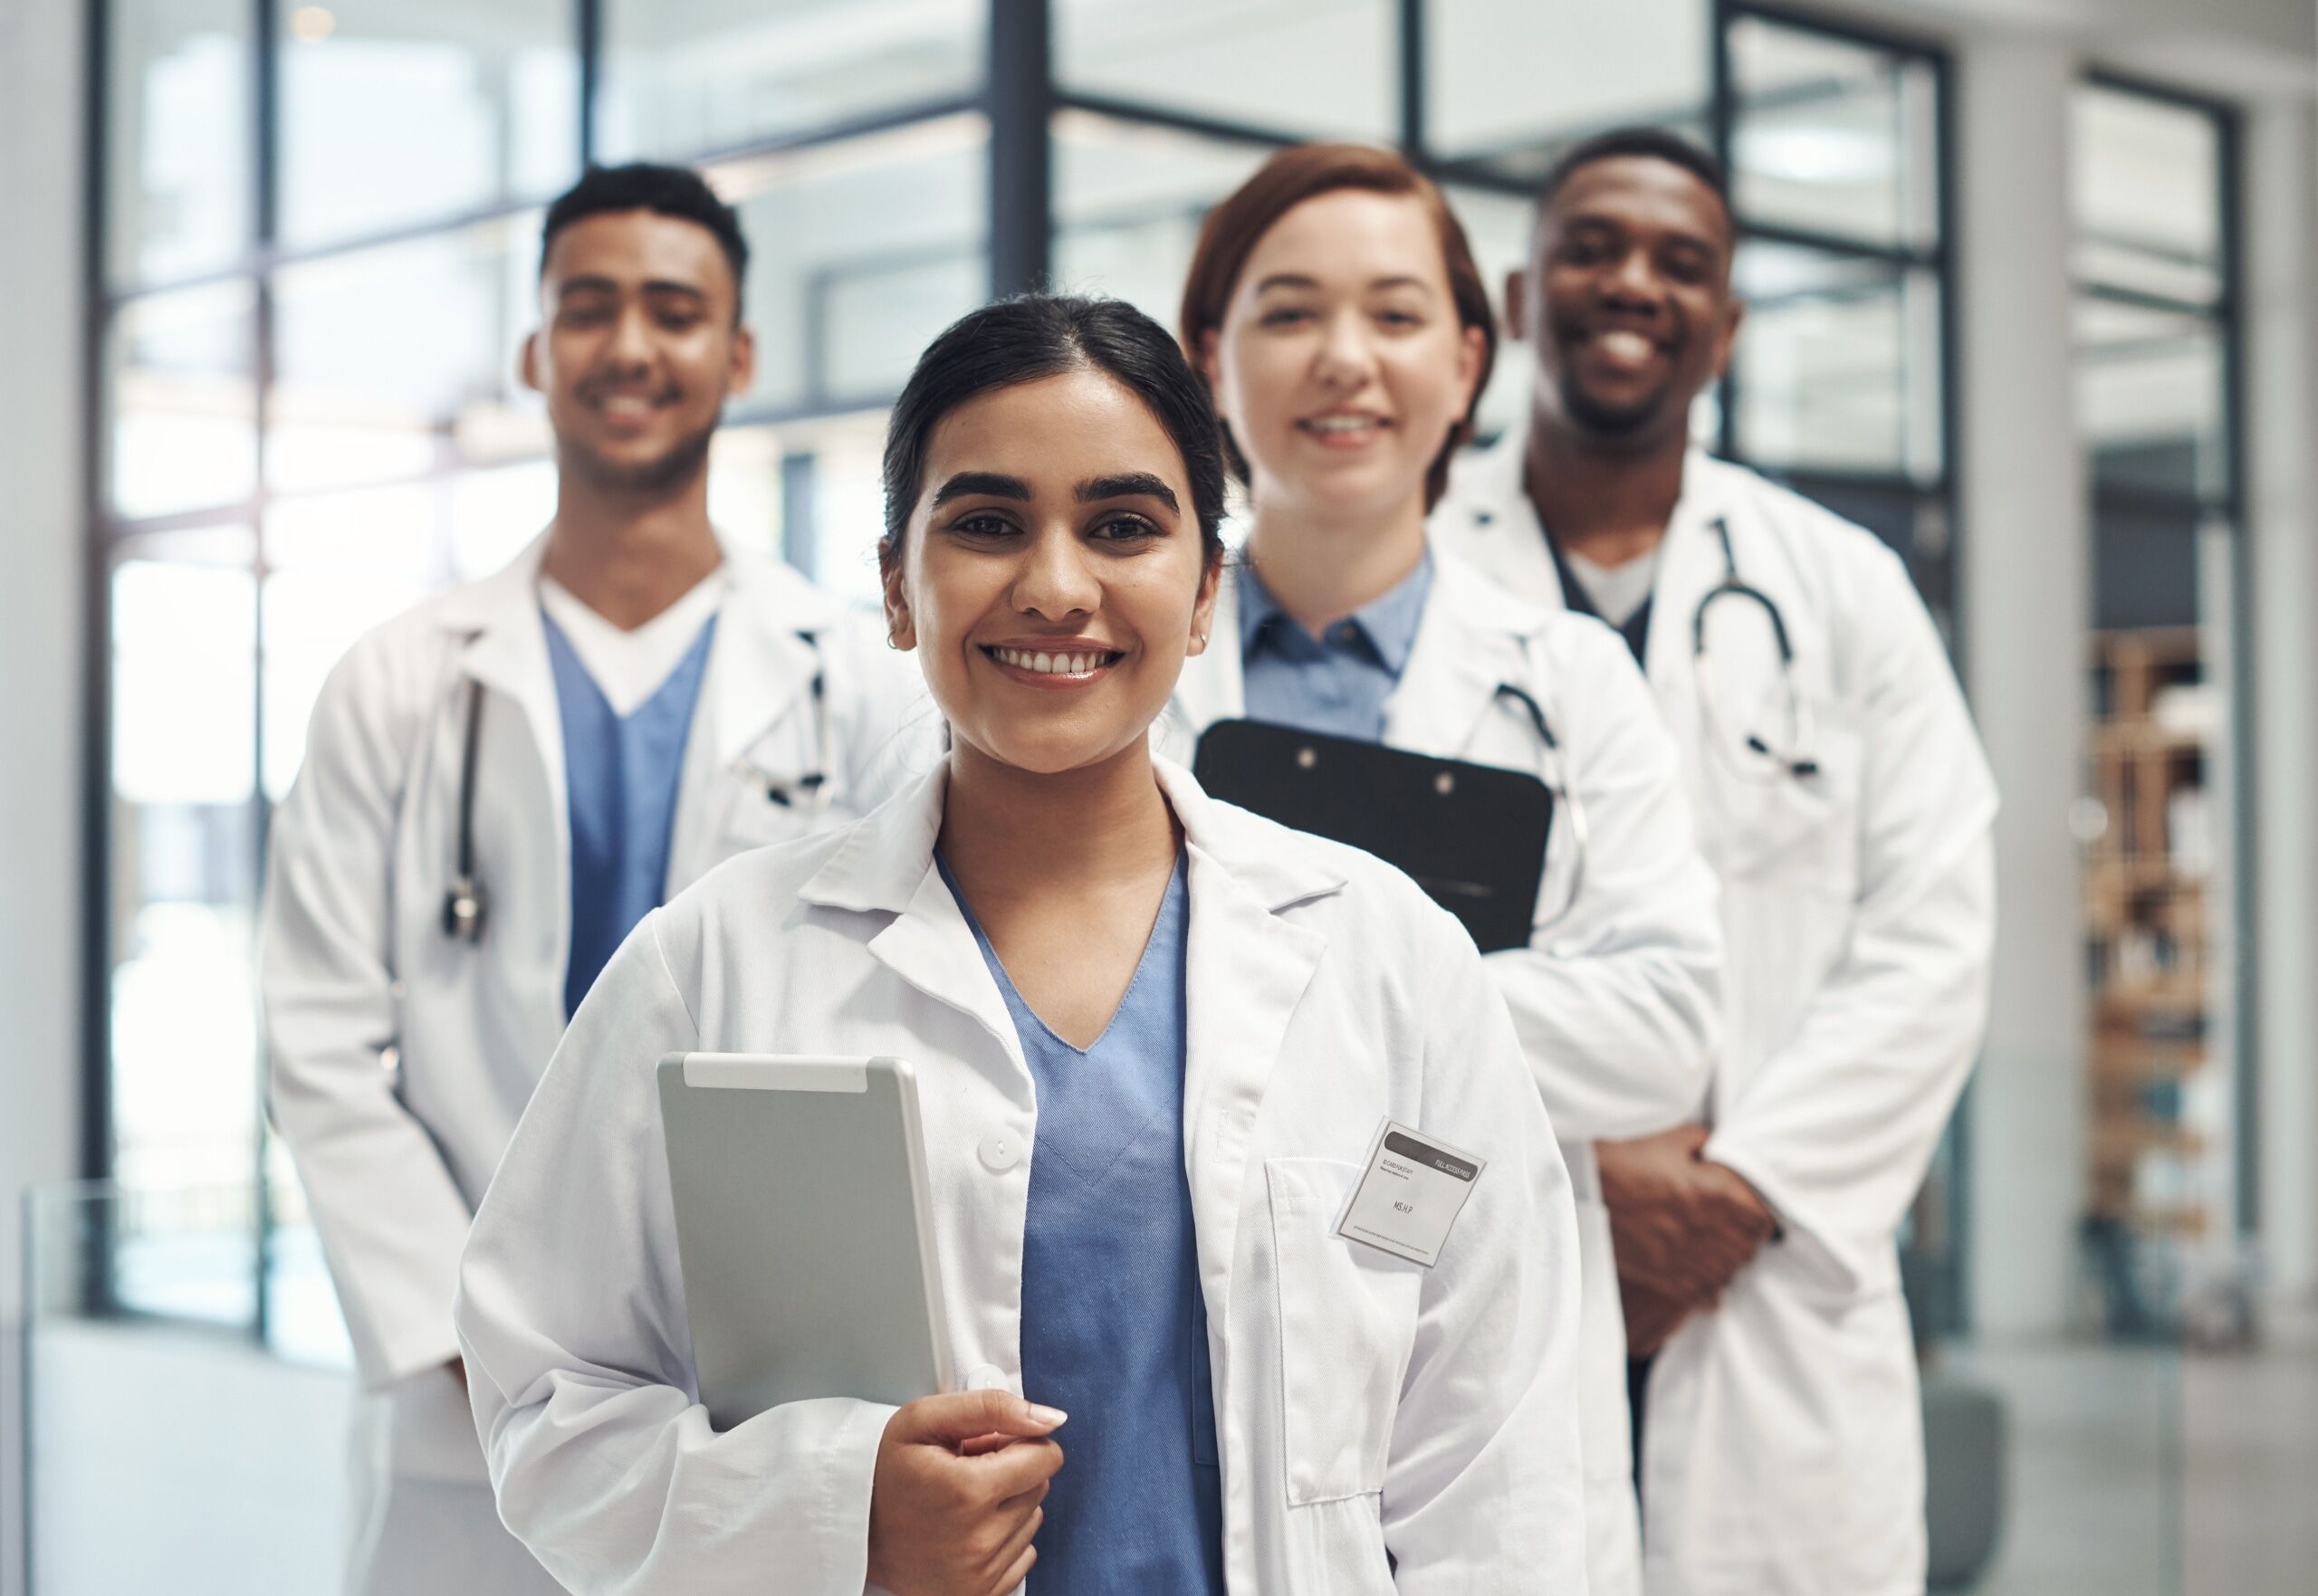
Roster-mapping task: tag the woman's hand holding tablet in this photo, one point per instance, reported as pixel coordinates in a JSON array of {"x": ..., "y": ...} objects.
[{"x": 957, "y": 1491}]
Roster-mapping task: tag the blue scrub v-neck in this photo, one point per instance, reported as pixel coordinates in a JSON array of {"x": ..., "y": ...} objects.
[
  {"x": 1113, "y": 1324},
  {"x": 622, "y": 773}
]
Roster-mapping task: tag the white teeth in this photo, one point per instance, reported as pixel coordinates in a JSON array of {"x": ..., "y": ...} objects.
[
  {"x": 1049, "y": 665},
  {"x": 1343, "y": 423},
  {"x": 1625, "y": 345}
]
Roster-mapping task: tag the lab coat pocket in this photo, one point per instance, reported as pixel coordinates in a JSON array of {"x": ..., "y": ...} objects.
[
  {"x": 1347, "y": 1320},
  {"x": 1796, "y": 831}
]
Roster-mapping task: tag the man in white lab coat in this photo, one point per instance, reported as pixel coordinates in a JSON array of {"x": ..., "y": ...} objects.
[
  {"x": 499, "y": 783},
  {"x": 1842, "y": 800}
]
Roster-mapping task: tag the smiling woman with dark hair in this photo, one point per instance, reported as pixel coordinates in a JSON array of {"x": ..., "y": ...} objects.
[{"x": 1158, "y": 1043}]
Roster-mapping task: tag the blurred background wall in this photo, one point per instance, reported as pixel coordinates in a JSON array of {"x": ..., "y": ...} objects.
[{"x": 2031, "y": 291}]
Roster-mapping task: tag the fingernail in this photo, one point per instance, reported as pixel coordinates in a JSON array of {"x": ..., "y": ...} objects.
[{"x": 1052, "y": 1418}]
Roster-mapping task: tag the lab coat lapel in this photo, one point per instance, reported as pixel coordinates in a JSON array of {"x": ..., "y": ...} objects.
[
  {"x": 1496, "y": 528},
  {"x": 885, "y": 863},
  {"x": 763, "y": 661},
  {"x": 1466, "y": 645},
  {"x": 1246, "y": 971},
  {"x": 506, "y": 651},
  {"x": 1689, "y": 563}
]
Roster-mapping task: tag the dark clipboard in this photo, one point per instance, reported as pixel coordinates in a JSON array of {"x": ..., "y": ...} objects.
[{"x": 1474, "y": 836}]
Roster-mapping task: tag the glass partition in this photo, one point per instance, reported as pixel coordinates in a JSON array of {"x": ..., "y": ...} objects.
[
  {"x": 1311, "y": 69},
  {"x": 1509, "y": 83},
  {"x": 2166, "y": 1249},
  {"x": 1833, "y": 135},
  {"x": 400, "y": 361},
  {"x": 860, "y": 251},
  {"x": 184, "y": 836},
  {"x": 485, "y": 100},
  {"x": 179, "y": 178},
  {"x": 181, "y": 401},
  {"x": 690, "y": 78},
  {"x": 1129, "y": 198}
]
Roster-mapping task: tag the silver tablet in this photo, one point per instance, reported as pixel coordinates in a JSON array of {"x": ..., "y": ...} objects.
[{"x": 804, "y": 1227}]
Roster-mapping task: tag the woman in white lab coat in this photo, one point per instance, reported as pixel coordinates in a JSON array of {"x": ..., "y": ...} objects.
[
  {"x": 1355, "y": 1422},
  {"x": 1334, "y": 304}
]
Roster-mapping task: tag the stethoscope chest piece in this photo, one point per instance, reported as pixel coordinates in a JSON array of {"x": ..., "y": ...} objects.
[{"x": 465, "y": 910}]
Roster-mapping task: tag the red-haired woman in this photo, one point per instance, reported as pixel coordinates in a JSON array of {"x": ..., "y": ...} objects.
[{"x": 1334, "y": 307}]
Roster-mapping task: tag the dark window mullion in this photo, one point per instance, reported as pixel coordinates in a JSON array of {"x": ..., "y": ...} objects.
[
  {"x": 267, "y": 49},
  {"x": 1021, "y": 96},
  {"x": 588, "y": 29}
]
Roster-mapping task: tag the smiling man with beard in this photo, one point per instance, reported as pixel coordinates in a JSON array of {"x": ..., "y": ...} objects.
[
  {"x": 499, "y": 784},
  {"x": 1845, "y": 806}
]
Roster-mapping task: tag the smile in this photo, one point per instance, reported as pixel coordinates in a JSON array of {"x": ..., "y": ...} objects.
[{"x": 1079, "y": 664}]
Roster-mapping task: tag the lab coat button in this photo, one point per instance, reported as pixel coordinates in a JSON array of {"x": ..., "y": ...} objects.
[
  {"x": 988, "y": 1377},
  {"x": 1000, "y": 1153}
]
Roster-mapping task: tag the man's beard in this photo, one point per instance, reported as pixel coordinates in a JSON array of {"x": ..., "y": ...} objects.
[
  {"x": 1620, "y": 422},
  {"x": 683, "y": 461}
]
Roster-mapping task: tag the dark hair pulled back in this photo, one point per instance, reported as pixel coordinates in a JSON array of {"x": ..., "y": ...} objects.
[{"x": 1035, "y": 336}]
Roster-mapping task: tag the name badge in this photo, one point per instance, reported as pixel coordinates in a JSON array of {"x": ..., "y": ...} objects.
[{"x": 1409, "y": 1196}]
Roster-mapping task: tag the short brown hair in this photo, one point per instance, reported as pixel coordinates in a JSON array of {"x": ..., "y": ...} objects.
[{"x": 1306, "y": 171}]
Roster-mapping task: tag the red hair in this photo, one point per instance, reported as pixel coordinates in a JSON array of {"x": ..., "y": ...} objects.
[{"x": 1306, "y": 171}]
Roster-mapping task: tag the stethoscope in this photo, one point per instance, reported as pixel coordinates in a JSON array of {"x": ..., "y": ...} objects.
[
  {"x": 1774, "y": 760},
  {"x": 1564, "y": 792},
  {"x": 466, "y": 906}
]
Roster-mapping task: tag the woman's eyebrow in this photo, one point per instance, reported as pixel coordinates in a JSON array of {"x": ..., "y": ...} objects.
[
  {"x": 1132, "y": 485},
  {"x": 988, "y": 484}
]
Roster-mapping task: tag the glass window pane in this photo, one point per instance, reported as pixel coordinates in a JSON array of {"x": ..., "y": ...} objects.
[
  {"x": 183, "y": 401},
  {"x": 1833, "y": 137},
  {"x": 810, "y": 492},
  {"x": 1498, "y": 227},
  {"x": 1327, "y": 67},
  {"x": 688, "y": 78},
  {"x": 2150, "y": 398},
  {"x": 859, "y": 253},
  {"x": 179, "y": 112},
  {"x": 2146, "y": 191},
  {"x": 1838, "y": 365},
  {"x": 494, "y": 513},
  {"x": 184, "y": 857},
  {"x": 1128, "y": 201},
  {"x": 747, "y": 488},
  {"x": 394, "y": 361},
  {"x": 1509, "y": 79},
  {"x": 483, "y": 103}
]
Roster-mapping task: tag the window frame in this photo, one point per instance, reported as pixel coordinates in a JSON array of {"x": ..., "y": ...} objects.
[{"x": 2229, "y": 507}]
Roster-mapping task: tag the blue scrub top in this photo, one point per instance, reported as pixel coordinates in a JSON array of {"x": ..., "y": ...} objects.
[
  {"x": 1339, "y": 682},
  {"x": 622, "y": 773},
  {"x": 1114, "y": 1324}
]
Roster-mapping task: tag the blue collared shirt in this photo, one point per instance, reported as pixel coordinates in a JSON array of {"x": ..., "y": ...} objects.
[{"x": 1339, "y": 682}]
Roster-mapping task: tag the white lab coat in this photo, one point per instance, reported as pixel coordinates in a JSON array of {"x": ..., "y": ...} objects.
[
  {"x": 1365, "y": 1406},
  {"x": 1782, "y": 1452},
  {"x": 1616, "y": 998},
  {"x": 400, "y": 1060}
]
